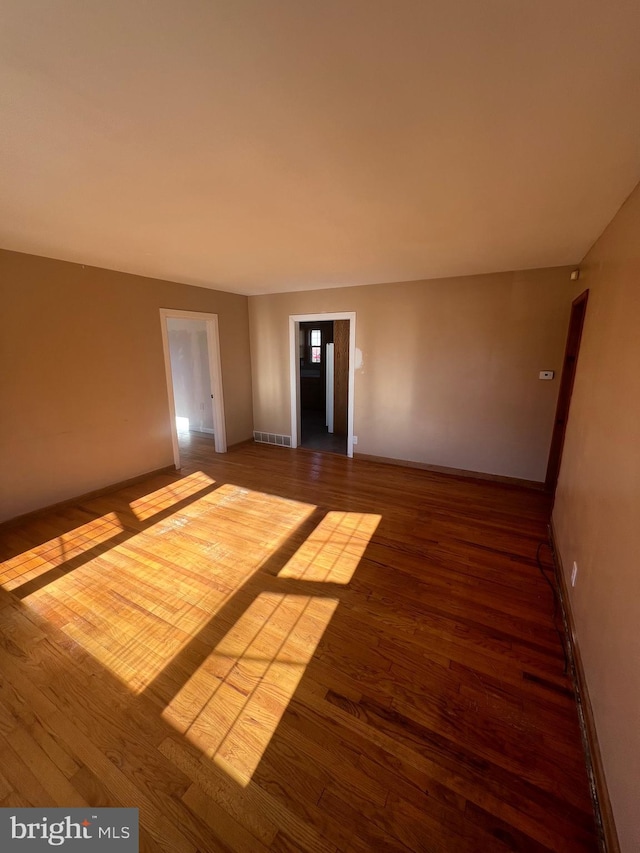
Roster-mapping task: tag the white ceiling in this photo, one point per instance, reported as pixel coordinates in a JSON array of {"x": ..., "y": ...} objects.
[{"x": 289, "y": 144}]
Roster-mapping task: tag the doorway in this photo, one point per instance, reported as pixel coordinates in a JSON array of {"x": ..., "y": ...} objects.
[
  {"x": 194, "y": 378},
  {"x": 574, "y": 336},
  {"x": 322, "y": 381},
  {"x": 319, "y": 427}
]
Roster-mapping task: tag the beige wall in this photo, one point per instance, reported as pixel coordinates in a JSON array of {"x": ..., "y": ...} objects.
[
  {"x": 82, "y": 385},
  {"x": 449, "y": 371},
  {"x": 597, "y": 511}
]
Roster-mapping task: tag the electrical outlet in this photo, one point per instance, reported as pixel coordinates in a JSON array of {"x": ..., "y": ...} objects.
[
  {"x": 355, "y": 439},
  {"x": 574, "y": 574}
]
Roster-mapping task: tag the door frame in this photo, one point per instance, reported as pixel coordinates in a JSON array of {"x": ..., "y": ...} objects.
[
  {"x": 215, "y": 372},
  {"x": 569, "y": 367},
  {"x": 294, "y": 369}
]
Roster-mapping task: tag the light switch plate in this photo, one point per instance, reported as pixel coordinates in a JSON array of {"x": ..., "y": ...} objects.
[{"x": 546, "y": 374}]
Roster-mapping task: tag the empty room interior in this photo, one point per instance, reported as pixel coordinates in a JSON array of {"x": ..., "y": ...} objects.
[{"x": 320, "y": 425}]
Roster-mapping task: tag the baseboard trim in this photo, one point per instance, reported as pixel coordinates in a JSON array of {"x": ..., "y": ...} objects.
[
  {"x": 452, "y": 472},
  {"x": 608, "y": 836},
  {"x": 96, "y": 493}
]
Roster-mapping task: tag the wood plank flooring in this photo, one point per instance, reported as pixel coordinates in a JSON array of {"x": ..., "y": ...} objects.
[{"x": 284, "y": 650}]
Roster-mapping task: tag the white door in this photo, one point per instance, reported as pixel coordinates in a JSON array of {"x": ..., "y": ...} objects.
[{"x": 329, "y": 383}]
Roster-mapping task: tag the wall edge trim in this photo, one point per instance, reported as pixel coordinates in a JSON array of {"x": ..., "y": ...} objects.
[
  {"x": 605, "y": 823},
  {"x": 95, "y": 493},
  {"x": 452, "y": 472}
]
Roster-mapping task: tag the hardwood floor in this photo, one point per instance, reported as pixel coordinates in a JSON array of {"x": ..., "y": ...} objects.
[{"x": 284, "y": 650}]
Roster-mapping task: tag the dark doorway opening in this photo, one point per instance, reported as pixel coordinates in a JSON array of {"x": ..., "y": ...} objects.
[
  {"x": 576, "y": 323},
  {"x": 323, "y": 422}
]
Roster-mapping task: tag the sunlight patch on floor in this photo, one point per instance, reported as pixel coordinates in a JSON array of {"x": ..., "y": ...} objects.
[
  {"x": 232, "y": 705},
  {"x": 170, "y": 495},
  {"x": 201, "y": 605},
  {"x": 57, "y": 551},
  {"x": 332, "y": 552},
  {"x": 136, "y": 603}
]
